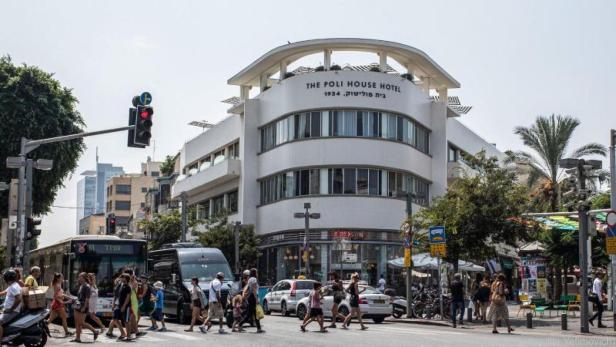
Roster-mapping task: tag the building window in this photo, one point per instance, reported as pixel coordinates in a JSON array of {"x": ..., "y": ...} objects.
[
  {"x": 452, "y": 154},
  {"x": 203, "y": 209},
  {"x": 362, "y": 181},
  {"x": 233, "y": 201},
  {"x": 154, "y": 173},
  {"x": 348, "y": 123},
  {"x": 144, "y": 189},
  {"x": 122, "y": 205},
  {"x": 123, "y": 189},
  {"x": 218, "y": 204},
  {"x": 349, "y": 181},
  {"x": 234, "y": 150},
  {"x": 142, "y": 205}
]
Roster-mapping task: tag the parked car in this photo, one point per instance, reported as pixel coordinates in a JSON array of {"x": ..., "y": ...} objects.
[
  {"x": 285, "y": 294},
  {"x": 373, "y": 304}
]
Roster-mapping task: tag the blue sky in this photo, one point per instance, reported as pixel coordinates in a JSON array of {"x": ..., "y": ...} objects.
[{"x": 514, "y": 59}]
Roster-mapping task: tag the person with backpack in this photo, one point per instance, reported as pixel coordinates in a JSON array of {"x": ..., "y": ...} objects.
[
  {"x": 316, "y": 312},
  {"x": 215, "y": 310}
]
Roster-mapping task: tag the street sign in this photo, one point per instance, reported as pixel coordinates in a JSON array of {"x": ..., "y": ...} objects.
[
  {"x": 407, "y": 257},
  {"x": 145, "y": 98},
  {"x": 438, "y": 249},
  {"x": 437, "y": 235},
  {"x": 610, "y": 237},
  {"x": 437, "y": 241}
]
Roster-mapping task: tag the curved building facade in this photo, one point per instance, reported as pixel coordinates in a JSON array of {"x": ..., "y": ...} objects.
[{"x": 351, "y": 141}]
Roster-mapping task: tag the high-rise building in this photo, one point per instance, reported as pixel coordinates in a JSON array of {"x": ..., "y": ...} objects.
[
  {"x": 103, "y": 173},
  {"x": 86, "y": 195}
]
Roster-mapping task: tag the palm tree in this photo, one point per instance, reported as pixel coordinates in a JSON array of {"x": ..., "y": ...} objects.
[{"x": 549, "y": 138}]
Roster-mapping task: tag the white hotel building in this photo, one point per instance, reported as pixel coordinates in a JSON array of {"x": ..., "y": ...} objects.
[{"x": 347, "y": 140}]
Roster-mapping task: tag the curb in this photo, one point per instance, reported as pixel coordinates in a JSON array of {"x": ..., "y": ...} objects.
[{"x": 420, "y": 322}]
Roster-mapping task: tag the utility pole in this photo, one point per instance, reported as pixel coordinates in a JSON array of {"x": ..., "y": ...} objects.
[
  {"x": 236, "y": 235},
  {"x": 184, "y": 217},
  {"x": 306, "y": 215},
  {"x": 409, "y": 270},
  {"x": 613, "y": 207}
]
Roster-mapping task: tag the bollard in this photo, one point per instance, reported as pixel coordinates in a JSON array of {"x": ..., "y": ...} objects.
[
  {"x": 563, "y": 321},
  {"x": 529, "y": 320},
  {"x": 469, "y": 315}
]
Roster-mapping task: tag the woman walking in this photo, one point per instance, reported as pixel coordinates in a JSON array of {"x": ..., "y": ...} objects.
[
  {"x": 195, "y": 303},
  {"x": 81, "y": 306},
  {"x": 353, "y": 289},
  {"x": 251, "y": 294},
  {"x": 93, "y": 303},
  {"x": 498, "y": 308},
  {"x": 339, "y": 295},
  {"x": 316, "y": 312},
  {"x": 483, "y": 298},
  {"x": 58, "y": 303}
]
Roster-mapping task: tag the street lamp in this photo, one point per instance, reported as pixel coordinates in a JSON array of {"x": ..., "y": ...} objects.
[
  {"x": 580, "y": 168},
  {"x": 307, "y": 216}
]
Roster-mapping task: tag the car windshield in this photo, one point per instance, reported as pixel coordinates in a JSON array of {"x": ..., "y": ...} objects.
[
  {"x": 205, "y": 271},
  {"x": 368, "y": 290}
]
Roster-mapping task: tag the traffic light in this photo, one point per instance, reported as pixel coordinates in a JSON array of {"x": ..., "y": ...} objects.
[
  {"x": 111, "y": 224},
  {"x": 132, "y": 116},
  {"x": 31, "y": 228},
  {"x": 143, "y": 125}
]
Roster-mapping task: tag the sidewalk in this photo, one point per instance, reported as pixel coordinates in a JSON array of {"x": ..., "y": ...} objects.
[{"x": 546, "y": 324}]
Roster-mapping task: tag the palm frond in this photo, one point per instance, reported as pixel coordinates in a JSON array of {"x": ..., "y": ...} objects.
[{"x": 590, "y": 149}]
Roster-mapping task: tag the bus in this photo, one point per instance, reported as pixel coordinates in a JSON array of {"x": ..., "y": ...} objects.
[{"x": 105, "y": 256}]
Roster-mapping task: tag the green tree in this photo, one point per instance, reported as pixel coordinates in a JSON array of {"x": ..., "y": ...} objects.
[
  {"x": 219, "y": 234},
  {"x": 549, "y": 138},
  {"x": 35, "y": 105},
  {"x": 168, "y": 166},
  {"x": 478, "y": 211},
  {"x": 561, "y": 247},
  {"x": 162, "y": 229}
]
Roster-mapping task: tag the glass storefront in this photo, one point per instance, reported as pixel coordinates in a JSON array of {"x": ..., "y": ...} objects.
[{"x": 344, "y": 256}]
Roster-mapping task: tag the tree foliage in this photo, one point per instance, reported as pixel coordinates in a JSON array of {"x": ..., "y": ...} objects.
[
  {"x": 35, "y": 105},
  {"x": 162, "y": 229},
  {"x": 549, "y": 138},
  {"x": 478, "y": 211},
  {"x": 220, "y": 234},
  {"x": 168, "y": 165}
]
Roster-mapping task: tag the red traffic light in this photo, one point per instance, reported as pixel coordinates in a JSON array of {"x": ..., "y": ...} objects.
[
  {"x": 146, "y": 113},
  {"x": 112, "y": 221}
]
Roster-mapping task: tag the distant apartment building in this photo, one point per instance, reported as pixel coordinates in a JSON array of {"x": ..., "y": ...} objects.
[
  {"x": 93, "y": 224},
  {"x": 126, "y": 198}
]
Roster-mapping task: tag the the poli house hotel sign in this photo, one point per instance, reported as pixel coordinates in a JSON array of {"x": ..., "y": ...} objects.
[{"x": 354, "y": 88}]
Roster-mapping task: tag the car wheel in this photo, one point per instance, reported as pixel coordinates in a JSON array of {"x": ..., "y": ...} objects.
[
  {"x": 301, "y": 312},
  {"x": 283, "y": 309},
  {"x": 378, "y": 320},
  {"x": 266, "y": 308},
  {"x": 182, "y": 315},
  {"x": 396, "y": 314}
]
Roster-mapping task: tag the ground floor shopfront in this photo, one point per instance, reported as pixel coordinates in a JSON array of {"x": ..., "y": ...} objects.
[{"x": 366, "y": 252}]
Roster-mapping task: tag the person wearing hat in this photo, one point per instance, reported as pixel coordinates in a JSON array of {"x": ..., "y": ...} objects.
[
  {"x": 215, "y": 305},
  {"x": 157, "y": 315}
]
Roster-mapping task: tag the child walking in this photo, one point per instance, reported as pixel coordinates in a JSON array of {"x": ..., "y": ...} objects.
[
  {"x": 157, "y": 315},
  {"x": 316, "y": 312},
  {"x": 237, "y": 314}
]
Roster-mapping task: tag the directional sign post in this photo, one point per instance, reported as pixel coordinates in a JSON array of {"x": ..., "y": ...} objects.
[
  {"x": 145, "y": 98},
  {"x": 438, "y": 249},
  {"x": 408, "y": 244}
]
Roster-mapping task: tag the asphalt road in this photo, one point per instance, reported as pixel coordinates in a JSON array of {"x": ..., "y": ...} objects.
[{"x": 282, "y": 331}]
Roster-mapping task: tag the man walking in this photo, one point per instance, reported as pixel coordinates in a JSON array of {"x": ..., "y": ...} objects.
[
  {"x": 215, "y": 306},
  {"x": 457, "y": 298},
  {"x": 597, "y": 297}
]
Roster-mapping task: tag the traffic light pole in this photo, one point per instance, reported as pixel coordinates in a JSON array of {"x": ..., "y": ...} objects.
[{"x": 24, "y": 190}]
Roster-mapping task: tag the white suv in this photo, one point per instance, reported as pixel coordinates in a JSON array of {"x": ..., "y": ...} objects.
[{"x": 284, "y": 295}]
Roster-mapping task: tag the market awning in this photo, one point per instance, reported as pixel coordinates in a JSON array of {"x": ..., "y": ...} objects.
[{"x": 426, "y": 262}]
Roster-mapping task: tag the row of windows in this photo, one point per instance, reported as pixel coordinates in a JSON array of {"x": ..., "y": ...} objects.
[
  {"x": 346, "y": 181},
  {"x": 216, "y": 205},
  {"x": 231, "y": 151},
  {"x": 354, "y": 123}
]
